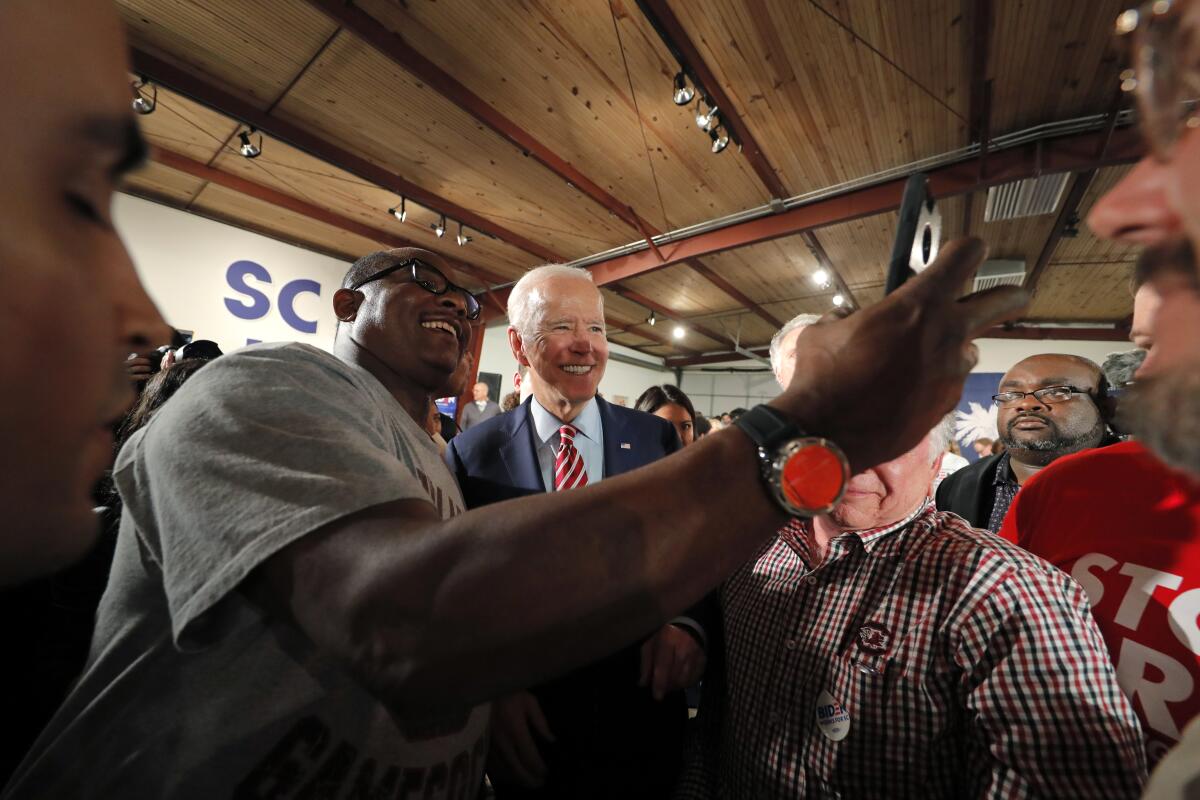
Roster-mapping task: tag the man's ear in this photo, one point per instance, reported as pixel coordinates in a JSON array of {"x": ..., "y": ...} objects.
[
  {"x": 346, "y": 303},
  {"x": 517, "y": 346}
]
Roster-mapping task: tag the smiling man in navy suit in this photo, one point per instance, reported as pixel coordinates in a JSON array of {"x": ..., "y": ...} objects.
[{"x": 612, "y": 729}]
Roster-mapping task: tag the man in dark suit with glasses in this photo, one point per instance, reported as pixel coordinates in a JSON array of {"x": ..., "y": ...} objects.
[{"x": 1048, "y": 406}]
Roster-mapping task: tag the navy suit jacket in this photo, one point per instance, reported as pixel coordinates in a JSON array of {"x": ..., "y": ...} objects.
[{"x": 612, "y": 738}]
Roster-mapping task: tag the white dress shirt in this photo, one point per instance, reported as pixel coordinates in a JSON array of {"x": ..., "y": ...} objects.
[{"x": 589, "y": 441}]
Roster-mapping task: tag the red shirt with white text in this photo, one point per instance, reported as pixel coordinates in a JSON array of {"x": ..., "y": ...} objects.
[{"x": 1128, "y": 529}]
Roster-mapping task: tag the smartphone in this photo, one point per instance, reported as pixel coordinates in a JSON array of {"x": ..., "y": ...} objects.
[{"x": 918, "y": 236}]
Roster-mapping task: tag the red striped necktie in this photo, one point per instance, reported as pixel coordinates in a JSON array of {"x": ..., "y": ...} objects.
[{"x": 569, "y": 470}]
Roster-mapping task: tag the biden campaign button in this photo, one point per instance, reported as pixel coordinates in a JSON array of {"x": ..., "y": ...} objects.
[{"x": 832, "y": 718}]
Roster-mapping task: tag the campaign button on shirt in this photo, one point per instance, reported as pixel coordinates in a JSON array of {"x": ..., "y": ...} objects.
[
  {"x": 874, "y": 638},
  {"x": 832, "y": 718}
]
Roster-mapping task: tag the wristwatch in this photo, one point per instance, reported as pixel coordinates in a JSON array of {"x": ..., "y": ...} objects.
[{"x": 805, "y": 475}]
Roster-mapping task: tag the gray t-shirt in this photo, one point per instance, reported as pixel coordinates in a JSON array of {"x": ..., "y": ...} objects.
[{"x": 189, "y": 690}]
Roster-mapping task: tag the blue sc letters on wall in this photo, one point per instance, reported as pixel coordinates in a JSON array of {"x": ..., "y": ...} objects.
[{"x": 255, "y": 304}]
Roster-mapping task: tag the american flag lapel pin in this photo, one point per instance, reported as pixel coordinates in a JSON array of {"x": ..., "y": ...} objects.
[{"x": 626, "y": 446}]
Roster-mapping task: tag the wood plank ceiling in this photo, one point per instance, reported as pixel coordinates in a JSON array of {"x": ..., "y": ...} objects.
[{"x": 550, "y": 124}]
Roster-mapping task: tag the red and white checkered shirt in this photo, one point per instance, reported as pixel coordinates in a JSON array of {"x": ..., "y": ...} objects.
[{"x": 967, "y": 667}]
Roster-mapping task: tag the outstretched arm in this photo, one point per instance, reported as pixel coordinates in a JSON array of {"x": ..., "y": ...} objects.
[{"x": 430, "y": 612}]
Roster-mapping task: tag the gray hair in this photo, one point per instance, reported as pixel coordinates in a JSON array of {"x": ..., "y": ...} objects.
[
  {"x": 940, "y": 436},
  {"x": 526, "y": 305},
  {"x": 795, "y": 323}
]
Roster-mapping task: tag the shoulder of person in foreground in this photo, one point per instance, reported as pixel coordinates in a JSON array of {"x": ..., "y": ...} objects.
[
  {"x": 1083, "y": 477},
  {"x": 973, "y": 550}
]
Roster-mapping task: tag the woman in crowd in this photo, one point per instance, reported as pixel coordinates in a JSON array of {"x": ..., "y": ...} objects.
[{"x": 670, "y": 403}]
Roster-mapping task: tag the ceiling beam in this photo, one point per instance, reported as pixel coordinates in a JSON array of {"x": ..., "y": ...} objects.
[
  {"x": 394, "y": 47},
  {"x": 1117, "y": 333},
  {"x": 659, "y": 308},
  {"x": 639, "y": 329},
  {"x": 1113, "y": 334},
  {"x": 659, "y": 14},
  {"x": 1068, "y": 153},
  {"x": 675, "y": 37},
  {"x": 714, "y": 358},
  {"x": 818, "y": 252},
  {"x": 237, "y": 183},
  {"x": 189, "y": 84},
  {"x": 1070, "y": 207},
  {"x": 734, "y": 292}
]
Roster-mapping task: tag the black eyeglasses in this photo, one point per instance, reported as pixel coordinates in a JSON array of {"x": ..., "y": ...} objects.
[
  {"x": 429, "y": 278},
  {"x": 1050, "y": 394}
]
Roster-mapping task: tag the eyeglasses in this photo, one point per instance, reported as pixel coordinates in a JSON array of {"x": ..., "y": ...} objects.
[
  {"x": 1166, "y": 85},
  {"x": 1050, "y": 394},
  {"x": 429, "y": 278}
]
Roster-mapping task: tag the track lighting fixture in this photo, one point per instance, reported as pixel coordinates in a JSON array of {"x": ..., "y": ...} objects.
[
  {"x": 839, "y": 301},
  {"x": 679, "y": 332},
  {"x": 400, "y": 213},
  {"x": 821, "y": 278},
  {"x": 462, "y": 238},
  {"x": 439, "y": 227},
  {"x": 706, "y": 121},
  {"x": 248, "y": 148},
  {"x": 720, "y": 139},
  {"x": 650, "y": 320},
  {"x": 683, "y": 92},
  {"x": 141, "y": 104}
]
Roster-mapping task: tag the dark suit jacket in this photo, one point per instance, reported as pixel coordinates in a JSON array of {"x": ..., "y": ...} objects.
[
  {"x": 970, "y": 492},
  {"x": 613, "y": 739},
  {"x": 472, "y": 416}
]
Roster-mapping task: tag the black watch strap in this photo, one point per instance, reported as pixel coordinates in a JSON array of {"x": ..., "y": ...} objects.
[{"x": 768, "y": 428}]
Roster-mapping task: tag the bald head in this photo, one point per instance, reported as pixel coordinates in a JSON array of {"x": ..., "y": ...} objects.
[{"x": 1055, "y": 369}]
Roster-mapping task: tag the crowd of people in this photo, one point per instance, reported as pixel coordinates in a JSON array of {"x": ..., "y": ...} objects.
[{"x": 305, "y": 593}]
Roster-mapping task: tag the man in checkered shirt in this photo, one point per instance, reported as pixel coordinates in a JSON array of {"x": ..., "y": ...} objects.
[{"x": 891, "y": 650}]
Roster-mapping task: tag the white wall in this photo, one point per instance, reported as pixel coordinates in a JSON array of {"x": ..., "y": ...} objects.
[
  {"x": 715, "y": 392},
  {"x": 997, "y": 355},
  {"x": 184, "y": 261},
  {"x": 620, "y": 380}
]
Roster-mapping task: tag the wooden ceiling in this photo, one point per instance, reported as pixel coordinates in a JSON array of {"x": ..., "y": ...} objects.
[{"x": 548, "y": 127}]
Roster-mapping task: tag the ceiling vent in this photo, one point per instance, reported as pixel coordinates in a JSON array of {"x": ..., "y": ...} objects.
[
  {"x": 999, "y": 272},
  {"x": 1026, "y": 198}
]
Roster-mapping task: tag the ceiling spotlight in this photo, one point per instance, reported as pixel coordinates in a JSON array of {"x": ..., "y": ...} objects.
[
  {"x": 400, "y": 213},
  {"x": 720, "y": 139},
  {"x": 439, "y": 227},
  {"x": 839, "y": 301},
  {"x": 679, "y": 332},
  {"x": 651, "y": 319},
  {"x": 141, "y": 104},
  {"x": 821, "y": 278},
  {"x": 683, "y": 92},
  {"x": 249, "y": 149},
  {"x": 708, "y": 120},
  {"x": 462, "y": 238}
]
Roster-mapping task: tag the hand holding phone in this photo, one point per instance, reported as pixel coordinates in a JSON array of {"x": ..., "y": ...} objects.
[{"x": 918, "y": 236}]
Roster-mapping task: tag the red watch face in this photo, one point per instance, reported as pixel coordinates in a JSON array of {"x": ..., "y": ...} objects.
[{"x": 812, "y": 477}]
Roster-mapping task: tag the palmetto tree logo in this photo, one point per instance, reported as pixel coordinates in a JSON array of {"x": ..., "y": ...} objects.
[{"x": 975, "y": 423}]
